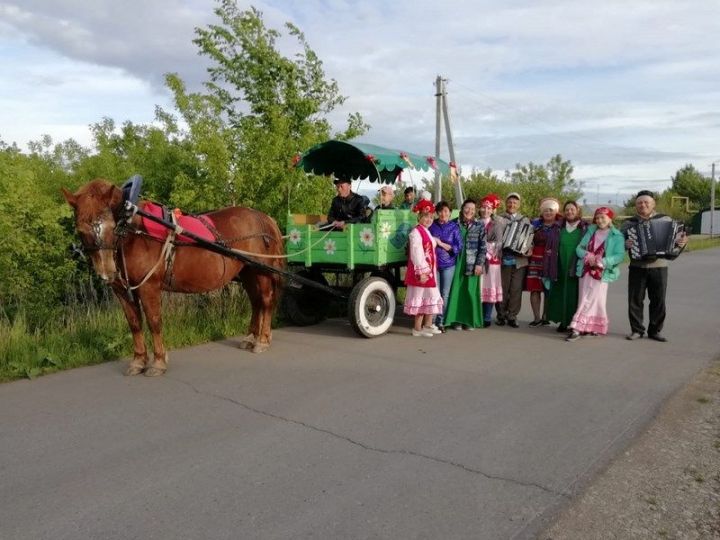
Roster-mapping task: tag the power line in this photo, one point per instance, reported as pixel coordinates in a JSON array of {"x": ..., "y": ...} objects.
[{"x": 549, "y": 129}]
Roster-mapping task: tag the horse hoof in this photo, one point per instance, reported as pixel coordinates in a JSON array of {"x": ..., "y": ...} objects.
[
  {"x": 134, "y": 369},
  {"x": 154, "y": 372},
  {"x": 248, "y": 342},
  {"x": 260, "y": 347}
]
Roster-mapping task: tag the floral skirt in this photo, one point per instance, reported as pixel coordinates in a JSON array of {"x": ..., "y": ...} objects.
[
  {"x": 423, "y": 301},
  {"x": 533, "y": 281},
  {"x": 591, "y": 314},
  {"x": 492, "y": 285}
]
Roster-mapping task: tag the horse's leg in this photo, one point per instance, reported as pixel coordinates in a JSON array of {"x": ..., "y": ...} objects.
[
  {"x": 247, "y": 278},
  {"x": 150, "y": 296},
  {"x": 267, "y": 295},
  {"x": 131, "y": 308}
]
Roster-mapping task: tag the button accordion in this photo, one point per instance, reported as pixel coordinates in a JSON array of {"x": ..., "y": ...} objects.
[
  {"x": 654, "y": 239},
  {"x": 518, "y": 236}
]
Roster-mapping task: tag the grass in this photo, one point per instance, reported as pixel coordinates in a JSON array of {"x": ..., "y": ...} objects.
[
  {"x": 702, "y": 242},
  {"x": 93, "y": 329},
  {"x": 92, "y": 333}
]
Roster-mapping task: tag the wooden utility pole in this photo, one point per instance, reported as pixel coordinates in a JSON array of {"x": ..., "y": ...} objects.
[{"x": 441, "y": 115}]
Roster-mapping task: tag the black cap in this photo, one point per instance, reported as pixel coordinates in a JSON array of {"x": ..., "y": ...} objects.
[{"x": 645, "y": 193}]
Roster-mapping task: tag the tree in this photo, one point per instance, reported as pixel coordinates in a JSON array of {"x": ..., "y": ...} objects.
[
  {"x": 532, "y": 181},
  {"x": 260, "y": 109},
  {"x": 34, "y": 264},
  {"x": 688, "y": 182}
]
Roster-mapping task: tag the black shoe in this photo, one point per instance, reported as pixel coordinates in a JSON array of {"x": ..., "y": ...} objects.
[
  {"x": 573, "y": 336},
  {"x": 442, "y": 328},
  {"x": 535, "y": 324},
  {"x": 512, "y": 323},
  {"x": 500, "y": 322},
  {"x": 561, "y": 328},
  {"x": 545, "y": 322},
  {"x": 658, "y": 337},
  {"x": 487, "y": 324},
  {"x": 633, "y": 336}
]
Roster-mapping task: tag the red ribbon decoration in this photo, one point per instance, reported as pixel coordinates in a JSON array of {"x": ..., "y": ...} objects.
[
  {"x": 431, "y": 162},
  {"x": 406, "y": 159},
  {"x": 371, "y": 158}
]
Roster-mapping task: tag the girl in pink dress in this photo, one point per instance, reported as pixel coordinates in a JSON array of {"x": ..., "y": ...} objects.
[
  {"x": 491, "y": 290},
  {"x": 600, "y": 253},
  {"x": 423, "y": 298}
]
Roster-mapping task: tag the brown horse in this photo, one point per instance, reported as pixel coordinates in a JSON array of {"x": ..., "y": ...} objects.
[{"x": 137, "y": 260}]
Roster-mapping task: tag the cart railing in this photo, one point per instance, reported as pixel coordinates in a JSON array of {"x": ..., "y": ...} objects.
[{"x": 381, "y": 242}]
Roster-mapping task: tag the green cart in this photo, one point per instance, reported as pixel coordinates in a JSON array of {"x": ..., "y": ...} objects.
[{"x": 363, "y": 264}]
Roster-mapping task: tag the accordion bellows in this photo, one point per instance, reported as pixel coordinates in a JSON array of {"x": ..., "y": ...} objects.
[
  {"x": 654, "y": 239},
  {"x": 517, "y": 237}
]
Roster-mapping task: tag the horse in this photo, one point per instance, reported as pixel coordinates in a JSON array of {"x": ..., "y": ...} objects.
[{"x": 138, "y": 267}]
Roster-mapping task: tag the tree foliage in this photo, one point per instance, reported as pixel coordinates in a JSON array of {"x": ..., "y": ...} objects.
[
  {"x": 34, "y": 262},
  {"x": 532, "y": 181},
  {"x": 261, "y": 107},
  {"x": 689, "y": 182}
]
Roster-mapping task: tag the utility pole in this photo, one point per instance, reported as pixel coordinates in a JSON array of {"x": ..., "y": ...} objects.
[{"x": 441, "y": 113}]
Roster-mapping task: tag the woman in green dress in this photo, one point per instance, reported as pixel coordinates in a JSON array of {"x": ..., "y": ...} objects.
[
  {"x": 563, "y": 296},
  {"x": 464, "y": 309}
]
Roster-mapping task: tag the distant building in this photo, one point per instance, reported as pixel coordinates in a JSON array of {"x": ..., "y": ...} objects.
[{"x": 701, "y": 221}]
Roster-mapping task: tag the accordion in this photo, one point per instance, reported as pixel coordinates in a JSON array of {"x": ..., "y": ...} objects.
[
  {"x": 518, "y": 236},
  {"x": 654, "y": 239}
]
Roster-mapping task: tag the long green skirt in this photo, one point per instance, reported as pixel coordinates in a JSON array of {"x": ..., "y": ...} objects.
[
  {"x": 464, "y": 304},
  {"x": 563, "y": 296}
]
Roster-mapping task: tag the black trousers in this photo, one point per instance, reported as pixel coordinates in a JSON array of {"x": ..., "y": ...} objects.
[{"x": 652, "y": 281}]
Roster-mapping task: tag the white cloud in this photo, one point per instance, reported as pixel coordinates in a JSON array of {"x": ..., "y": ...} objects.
[{"x": 614, "y": 86}]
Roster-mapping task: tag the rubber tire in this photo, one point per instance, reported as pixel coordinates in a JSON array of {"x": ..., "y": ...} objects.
[
  {"x": 372, "y": 307},
  {"x": 305, "y": 306}
]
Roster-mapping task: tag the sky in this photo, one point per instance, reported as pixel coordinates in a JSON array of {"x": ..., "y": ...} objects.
[{"x": 629, "y": 90}]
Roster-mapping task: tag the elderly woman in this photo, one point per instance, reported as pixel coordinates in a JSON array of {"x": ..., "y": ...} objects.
[
  {"x": 491, "y": 292},
  {"x": 464, "y": 308},
  {"x": 543, "y": 264},
  {"x": 449, "y": 245},
  {"x": 563, "y": 297}
]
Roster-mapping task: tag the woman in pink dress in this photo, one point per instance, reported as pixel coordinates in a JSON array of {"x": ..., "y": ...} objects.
[
  {"x": 423, "y": 298},
  {"x": 491, "y": 290},
  {"x": 600, "y": 253}
]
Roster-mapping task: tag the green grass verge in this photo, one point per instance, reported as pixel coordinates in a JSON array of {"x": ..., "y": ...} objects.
[
  {"x": 702, "y": 242},
  {"x": 92, "y": 334}
]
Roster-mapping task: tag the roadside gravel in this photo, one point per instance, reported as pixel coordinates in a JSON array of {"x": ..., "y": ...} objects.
[{"x": 667, "y": 485}]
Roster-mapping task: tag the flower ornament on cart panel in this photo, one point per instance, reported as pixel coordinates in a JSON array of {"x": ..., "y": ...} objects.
[{"x": 367, "y": 237}]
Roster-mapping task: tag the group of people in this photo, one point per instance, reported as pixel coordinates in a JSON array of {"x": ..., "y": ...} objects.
[
  {"x": 460, "y": 269},
  {"x": 350, "y": 207}
]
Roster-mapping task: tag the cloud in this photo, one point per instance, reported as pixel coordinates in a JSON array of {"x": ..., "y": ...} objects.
[{"x": 612, "y": 84}]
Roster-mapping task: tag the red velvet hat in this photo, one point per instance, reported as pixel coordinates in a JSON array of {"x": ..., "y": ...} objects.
[
  {"x": 604, "y": 210},
  {"x": 424, "y": 206},
  {"x": 491, "y": 200}
]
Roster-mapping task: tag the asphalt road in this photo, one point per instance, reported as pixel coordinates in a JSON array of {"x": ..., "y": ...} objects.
[{"x": 481, "y": 434}]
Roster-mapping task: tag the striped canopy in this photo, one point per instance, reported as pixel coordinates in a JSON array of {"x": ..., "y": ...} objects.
[{"x": 354, "y": 161}]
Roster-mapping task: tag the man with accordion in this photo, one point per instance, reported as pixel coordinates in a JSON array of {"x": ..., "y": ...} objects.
[{"x": 651, "y": 240}]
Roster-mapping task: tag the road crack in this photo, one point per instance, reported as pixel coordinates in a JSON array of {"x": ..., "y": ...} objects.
[{"x": 386, "y": 451}]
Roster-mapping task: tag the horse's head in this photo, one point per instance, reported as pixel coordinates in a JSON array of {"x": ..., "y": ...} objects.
[{"x": 97, "y": 205}]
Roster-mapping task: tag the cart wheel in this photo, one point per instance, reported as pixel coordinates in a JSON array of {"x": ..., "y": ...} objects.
[
  {"x": 302, "y": 305},
  {"x": 372, "y": 307}
]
